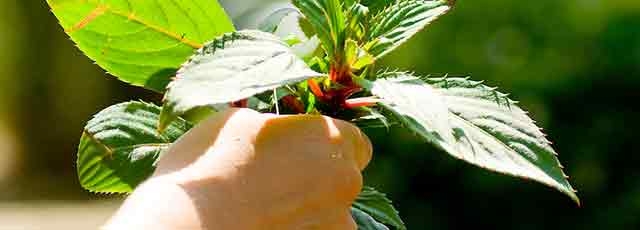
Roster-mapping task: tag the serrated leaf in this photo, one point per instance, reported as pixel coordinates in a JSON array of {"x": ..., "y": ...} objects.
[
  {"x": 141, "y": 42},
  {"x": 378, "y": 206},
  {"x": 119, "y": 147},
  {"x": 365, "y": 221},
  {"x": 377, "y": 5},
  {"x": 327, "y": 19},
  {"x": 475, "y": 123},
  {"x": 418, "y": 106},
  {"x": 356, "y": 16},
  {"x": 234, "y": 66},
  {"x": 400, "y": 21}
]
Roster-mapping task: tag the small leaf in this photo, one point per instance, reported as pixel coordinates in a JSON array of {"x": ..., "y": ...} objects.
[
  {"x": 120, "y": 145},
  {"x": 379, "y": 207},
  {"x": 328, "y": 21},
  {"x": 351, "y": 51},
  {"x": 366, "y": 222},
  {"x": 141, "y": 42},
  {"x": 364, "y": 59},
  {"x": 400, "y": 21},
  {"x": 235, "y": 66},
  {"x": 474, "y": 123},
  {"x": 356, "y": 16}
]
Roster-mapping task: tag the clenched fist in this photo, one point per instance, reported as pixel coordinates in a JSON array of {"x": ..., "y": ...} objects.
[{"x": 241, "y": 170}]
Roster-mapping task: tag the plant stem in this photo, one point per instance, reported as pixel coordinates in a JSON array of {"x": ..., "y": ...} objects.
[
  {"x": 360, "y": 102},
  {"x": 293, "y": 103}
]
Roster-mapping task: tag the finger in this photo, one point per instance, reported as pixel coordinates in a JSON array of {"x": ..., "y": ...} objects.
[
  {"x": 333, "y": 131},
  {"x": 359, "y": 141}
]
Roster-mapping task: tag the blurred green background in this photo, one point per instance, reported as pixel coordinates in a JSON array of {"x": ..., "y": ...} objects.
[{"x": 574, "y": 64}]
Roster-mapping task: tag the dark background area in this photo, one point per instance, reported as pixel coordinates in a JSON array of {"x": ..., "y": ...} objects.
[{"x": 574, "y": 64}]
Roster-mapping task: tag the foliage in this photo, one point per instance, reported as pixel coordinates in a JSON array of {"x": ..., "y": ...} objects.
[
  {"x": 147, "y": 42},
  {"x": 233, "y": 67},
  {"x": 120, "y": 145}
]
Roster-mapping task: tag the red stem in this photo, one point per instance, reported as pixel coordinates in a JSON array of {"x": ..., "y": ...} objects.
[
  {"x": 244, "y": 103},
  {"x": 360, "y": 102},
  {"x": 293, "y": 103},
  {"x": 315, "y": 88}
]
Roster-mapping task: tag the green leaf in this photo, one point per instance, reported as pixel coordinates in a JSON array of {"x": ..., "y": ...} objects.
[
  {"x": 141, "y": 42},
  {"x": 329, "y": 22},
  {"x": 379, "y": 207},
  {"x": 366, "y": 222},
  {"x": 373, "y": 120},
  {"x": 376, "y": 6},
  {"x": 356, "y": 16},
  {"x": 400, "y": 21},
  {"x": 120, "y": 145},
  {"x": 474, "y": 123},
  {"x": 234, "y": 66},
  {"x": 417, "y": 105}
]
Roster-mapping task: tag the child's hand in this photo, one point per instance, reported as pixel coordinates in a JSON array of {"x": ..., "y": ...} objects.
[{"x": 244, "y": 170}]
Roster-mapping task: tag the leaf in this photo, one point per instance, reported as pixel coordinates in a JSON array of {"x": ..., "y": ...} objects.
[
  {"x": 356, "y": 16},
  {"x": 120, "y": 145},
  {"x": 366, "y": 222},
  {"x": 141, "y": 42},
  {"x": 418, "y": 106},
  {"x": 289, "y": 24},
  {"x": 474, "y": 123},
  {"x": 378, "y": 206},
  {"x": 377, "y": 5},
  {"x": 400, "y": 21},
  {"x": 328, "y": 20},
  {"x": 273, "y": 21},
  {"x": 373, "y": 120},
  {"x": 234, "y": 66}
]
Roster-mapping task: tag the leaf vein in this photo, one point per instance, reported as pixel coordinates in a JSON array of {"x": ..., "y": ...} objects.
[{"x": 101, "y": 9}]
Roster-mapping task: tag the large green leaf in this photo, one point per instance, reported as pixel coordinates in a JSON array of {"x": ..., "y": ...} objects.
[
  {"x": 378, "y": 206},
  {"x": 400, "y": 21},
  {"x": 141, "y": 42},
  {"x": 329, "y": 22},
  {"x": 234, "y": 66},
  {"x": 120, "y": 145},
  {"x": 474, "y": 123},
  {"x": 365, "y": 221}
]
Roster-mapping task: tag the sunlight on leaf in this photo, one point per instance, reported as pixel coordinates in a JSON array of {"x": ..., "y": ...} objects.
[
  {"x": 235, "y": 66},
  {"x": 329, "y": 22},
  {"x": 400, "y": 21},
  {"x": 141, "y": 42},
  {"x": 474, "y": 123}
]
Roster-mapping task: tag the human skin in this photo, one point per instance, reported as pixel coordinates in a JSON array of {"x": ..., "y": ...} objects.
[{"x": 241, "y": 169}]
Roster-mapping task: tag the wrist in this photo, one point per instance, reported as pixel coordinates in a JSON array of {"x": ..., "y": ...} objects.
[{"x": 156, "y": 204}]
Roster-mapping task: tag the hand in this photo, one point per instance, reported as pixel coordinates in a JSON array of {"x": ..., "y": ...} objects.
[{"x": 244, "y": 170}]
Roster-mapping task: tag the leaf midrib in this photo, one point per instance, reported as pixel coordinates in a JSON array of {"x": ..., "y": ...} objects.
[
  {"x": 111, "y": 150},
  {"x": 102, "y": 8}
]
